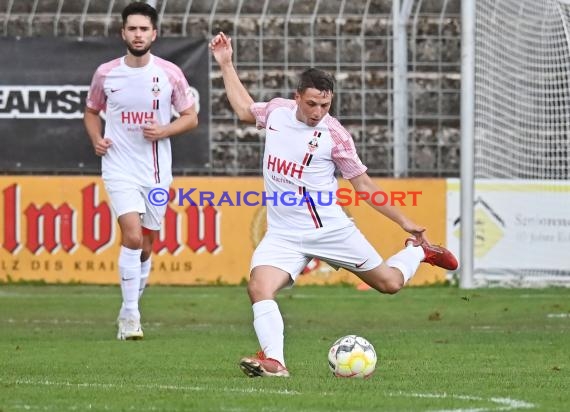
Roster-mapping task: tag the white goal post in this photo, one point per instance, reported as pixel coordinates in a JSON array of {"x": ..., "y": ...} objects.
[{"x": 515, "y": 126}]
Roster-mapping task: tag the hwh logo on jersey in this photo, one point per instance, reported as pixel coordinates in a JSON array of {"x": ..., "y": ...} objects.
[
  {"x": 136, "y": 117},
  {"x": 284, "y": 167}
]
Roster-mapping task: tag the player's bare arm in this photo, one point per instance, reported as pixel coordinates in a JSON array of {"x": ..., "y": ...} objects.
[
  {"x": 94, "y": 129},
  {"x": 364, "y": 183},
  {"x": 240, "y": 100},
  {"x": 187, "y": 121}
]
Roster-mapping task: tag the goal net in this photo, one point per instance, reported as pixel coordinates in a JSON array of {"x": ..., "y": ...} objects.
[{"x": 522, "y": 143}]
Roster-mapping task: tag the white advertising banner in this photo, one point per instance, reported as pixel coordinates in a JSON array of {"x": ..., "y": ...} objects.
[{"x": 519, "y": 225}]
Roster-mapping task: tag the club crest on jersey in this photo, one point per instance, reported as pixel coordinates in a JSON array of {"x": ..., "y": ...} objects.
[
  {"x": 313, "y": 144},
  {"x": 155, "y": 90}
]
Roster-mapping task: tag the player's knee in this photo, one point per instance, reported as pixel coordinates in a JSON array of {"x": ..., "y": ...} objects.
[
  {"x": 254, "y": 289},
  {"x": 391, "y": 286},
  {"x": 385, "y": 280},
  {"x": 258, "y": 290},
  {"x": 132, "y": 240}
]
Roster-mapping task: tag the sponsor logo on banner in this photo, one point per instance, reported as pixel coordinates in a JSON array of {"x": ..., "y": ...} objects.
[
  {"x": 70, "y": 236},
  {"x": 63, "y": 229},
  {"x": 519, "y": 225},
  {"x": 51, "y": 227},
  {"x": 54, "y": 102},
  {"x": 42, "y": 102},
  {"x": 489, "y": 228}
]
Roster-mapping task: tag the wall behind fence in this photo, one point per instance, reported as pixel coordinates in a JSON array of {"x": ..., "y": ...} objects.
[{"x": 274, "y": 40}]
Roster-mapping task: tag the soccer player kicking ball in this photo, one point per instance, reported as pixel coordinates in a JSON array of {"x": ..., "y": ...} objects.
[
  {"x": 303, "y": 146},
  {"x": 136, "y": 92}
]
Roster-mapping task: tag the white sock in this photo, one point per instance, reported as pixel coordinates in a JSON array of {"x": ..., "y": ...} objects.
[
  {"x": 407, "y": 261},
  {"x": 268, "y": 325},
  {"x": 145, "y": 272},
  {"x": 130, "y": 272}
]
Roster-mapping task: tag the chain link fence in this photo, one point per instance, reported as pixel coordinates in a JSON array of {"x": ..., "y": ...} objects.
[{"x": 275, "y": 40}]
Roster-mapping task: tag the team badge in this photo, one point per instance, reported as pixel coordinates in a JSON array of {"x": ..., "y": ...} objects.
[
  {"x": 155, "y": 90},
  {"x": 313, "y": 144}
]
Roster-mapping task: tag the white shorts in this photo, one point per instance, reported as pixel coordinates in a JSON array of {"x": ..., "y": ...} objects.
[
  {"x": 341, "y": 248},
  {"x": 129, "y": 197}
]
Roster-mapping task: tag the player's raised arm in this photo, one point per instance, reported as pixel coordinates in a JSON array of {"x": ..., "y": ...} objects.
[{"x": 240, "y": 100}]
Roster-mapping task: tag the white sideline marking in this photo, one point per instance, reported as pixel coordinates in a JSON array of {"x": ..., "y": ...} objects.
[
  {"x": 54, "y": 321},
  {"x": 558, "y": 315},
  {"x": 86, "y": 407},
  {"x": 540, "y": 295},
  {"x": 503, "y": 404},
  {"x": 154, "y": 387},
  {"x": 487, "y": 328}
]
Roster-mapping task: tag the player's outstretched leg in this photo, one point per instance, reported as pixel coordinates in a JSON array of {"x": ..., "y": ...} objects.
[
  {"x": 435, "y": 255},
  {"x": 259, "y": 365}
]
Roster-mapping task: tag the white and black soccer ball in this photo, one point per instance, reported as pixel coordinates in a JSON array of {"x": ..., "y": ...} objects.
[{"x": 352, "y": 356}]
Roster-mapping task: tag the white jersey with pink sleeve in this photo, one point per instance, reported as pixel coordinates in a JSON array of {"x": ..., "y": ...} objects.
[
  {"x": 299, "y": 168},
  {"x": 132, "y": 97}
]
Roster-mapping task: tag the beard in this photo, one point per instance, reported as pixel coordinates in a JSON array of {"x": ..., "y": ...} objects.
[{"x": 138, "y": 52}]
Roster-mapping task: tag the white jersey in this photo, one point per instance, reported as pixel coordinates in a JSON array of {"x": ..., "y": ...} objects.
[
  {"x": 131, "y": 97},
  {"x": 299, "y": 167}
]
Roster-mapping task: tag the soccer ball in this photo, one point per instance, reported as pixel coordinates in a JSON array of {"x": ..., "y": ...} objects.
[{"x": 352, "y": 356}]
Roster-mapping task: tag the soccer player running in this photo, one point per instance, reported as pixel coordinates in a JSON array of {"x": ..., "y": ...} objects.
[
  {"x": 136, "y": 93},
  {"x": 303, "y": 146}
]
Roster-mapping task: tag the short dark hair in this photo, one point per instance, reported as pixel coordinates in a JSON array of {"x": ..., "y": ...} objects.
[
  {"x": 142, "y": 8},
  {"x": 315, "y": 79}
]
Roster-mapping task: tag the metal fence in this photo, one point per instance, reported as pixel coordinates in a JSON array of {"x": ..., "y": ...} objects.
[{"x": 274, "y": 40}]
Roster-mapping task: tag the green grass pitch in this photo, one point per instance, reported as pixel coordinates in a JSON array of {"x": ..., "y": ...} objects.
[{"x": 439, "y": 349}]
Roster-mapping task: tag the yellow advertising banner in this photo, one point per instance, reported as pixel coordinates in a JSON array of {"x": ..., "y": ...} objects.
[{"x": 61, "y": 229}]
